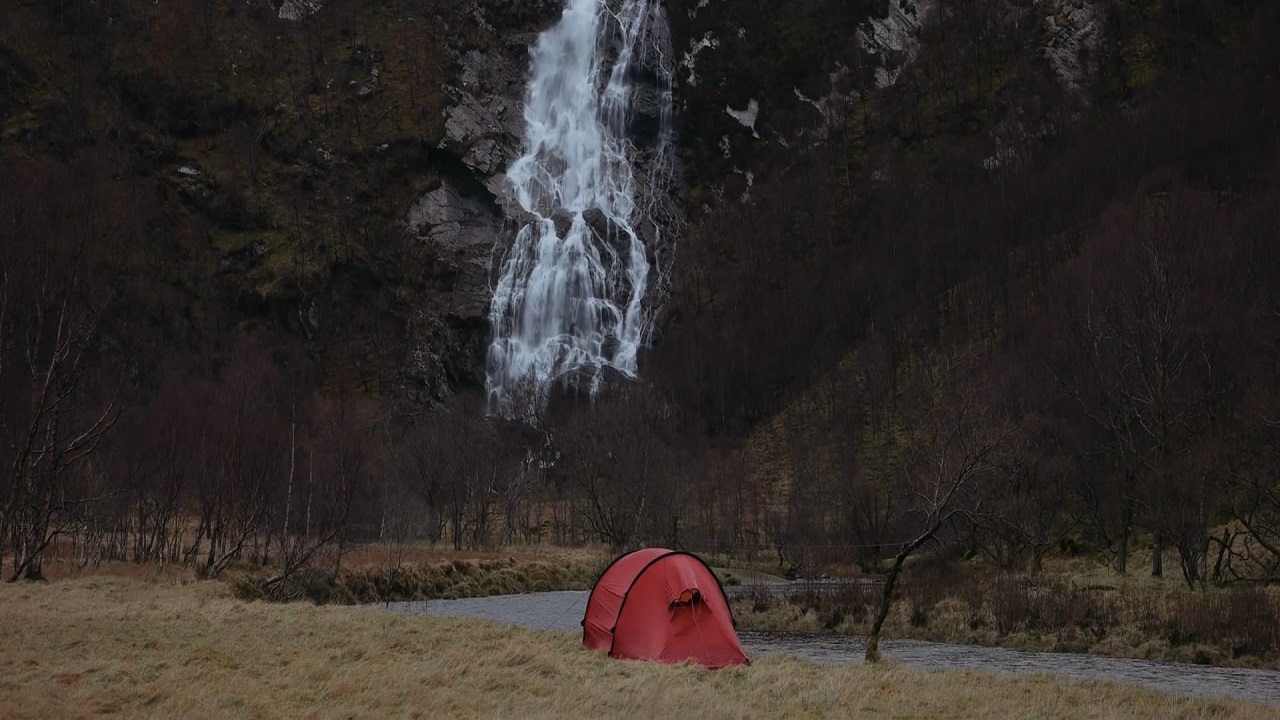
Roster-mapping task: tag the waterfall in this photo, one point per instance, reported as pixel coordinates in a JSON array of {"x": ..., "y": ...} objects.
[{"x": 569, "y": 299}]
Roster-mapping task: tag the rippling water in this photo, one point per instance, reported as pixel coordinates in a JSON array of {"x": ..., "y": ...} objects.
[{"x": 563, "y": 611}]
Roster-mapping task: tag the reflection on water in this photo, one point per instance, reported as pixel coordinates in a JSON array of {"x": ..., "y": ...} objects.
[{"x": 563, "y": 611}]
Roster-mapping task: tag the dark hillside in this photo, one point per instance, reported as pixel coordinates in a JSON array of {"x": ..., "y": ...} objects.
[
  {"x": 914, "y": 230},
  {"x": 837, "y": 249},
  {"x": 207, "y": 285},
  {"x": 1107, "y": 284},
  {"x": 268, "y": 163}
]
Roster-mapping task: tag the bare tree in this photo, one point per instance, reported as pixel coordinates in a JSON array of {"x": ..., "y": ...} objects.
[
  {"x": 1023, "y": 510},
  {"x": 419, "y": 459},
  {"x": 243, "y": 450},
  {"x": 613, "y": 500},
  {"x": 1138, "y": 371},
  {"x": 319, "y": 495},
  {"x": 1254, "y": 505},
  {"x": 953, "y": 451},
  {"x": 157, "y": 460},
  {"x": 624, "y": 468},
  {"x": 56, "y": 403},
  {"x": 456, "y": 466}
]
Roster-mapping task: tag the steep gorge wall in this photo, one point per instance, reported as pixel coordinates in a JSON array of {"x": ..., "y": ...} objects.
[
  {"x": 755, "y": 89},
  {"x": 332, "y": 171}
]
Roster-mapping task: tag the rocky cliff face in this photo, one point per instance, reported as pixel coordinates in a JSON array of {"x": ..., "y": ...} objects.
[
  {"x": 751, "y": 87},
  {"x": 334, "y": 171},
  {"x": 1073, "y": 32},
  {"x": 482, "y": 129}
]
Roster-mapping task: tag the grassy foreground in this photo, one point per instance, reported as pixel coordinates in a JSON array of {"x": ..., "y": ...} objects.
[{"x": 109, "y": 646}]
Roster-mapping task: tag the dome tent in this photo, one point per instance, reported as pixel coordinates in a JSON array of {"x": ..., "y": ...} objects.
[{"x": 659, "y": 604}]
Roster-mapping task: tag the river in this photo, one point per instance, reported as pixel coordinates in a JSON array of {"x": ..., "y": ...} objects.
[{"x": 562, "y": 611}]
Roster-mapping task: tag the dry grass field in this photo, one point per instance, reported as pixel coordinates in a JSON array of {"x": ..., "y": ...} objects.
[{"x": 109, "y": 646}]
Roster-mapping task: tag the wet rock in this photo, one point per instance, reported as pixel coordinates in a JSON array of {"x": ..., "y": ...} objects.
[
  {"x": 563, "y": 221},
  {"x": 582, "y": 387},
  {"x": 296, "y": 10},
  {"x": 194, "y": 185},
  {"x": 483, "y": 125},
  {"x": 1074, "y": 29},
  {"x": 463, "y": 231},
  {"x": 657, "y": 219},
  {"x": 600, "y": 224},
  {"x": 892, "y": 40},
  {"x": 650, "y": 121},
  {"x": 245, "y": 257},
  {"x": 367, "y": 88}
]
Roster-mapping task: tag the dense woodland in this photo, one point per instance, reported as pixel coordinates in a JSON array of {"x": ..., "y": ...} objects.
[{"x": 1074, "y": 349}]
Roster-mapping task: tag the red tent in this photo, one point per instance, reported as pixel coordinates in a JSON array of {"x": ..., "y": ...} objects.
[{"x": 659, "y": 604}]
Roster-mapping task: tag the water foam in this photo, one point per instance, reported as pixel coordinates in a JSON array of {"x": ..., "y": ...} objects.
[{"x": 569, "y": 296}]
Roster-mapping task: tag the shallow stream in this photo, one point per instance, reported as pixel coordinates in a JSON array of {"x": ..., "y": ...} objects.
[{"x": 563, "y": 611}]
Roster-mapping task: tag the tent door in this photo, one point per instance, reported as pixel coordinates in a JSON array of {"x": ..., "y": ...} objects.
[{"x": 691, "y": 596}]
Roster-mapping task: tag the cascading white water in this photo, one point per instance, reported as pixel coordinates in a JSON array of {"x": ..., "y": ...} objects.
[{"x": 569, "y": 295}]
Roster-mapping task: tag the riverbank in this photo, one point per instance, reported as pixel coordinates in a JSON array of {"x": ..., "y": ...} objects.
[
  {"x": 1071, "y": 607},
  {"x": 383, "y": 573},
  {"x": 1074, "y": 605},
  {"x": 108, "y": 646}
]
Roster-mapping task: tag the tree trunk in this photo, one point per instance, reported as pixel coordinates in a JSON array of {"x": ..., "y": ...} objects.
[
  {"x": 886, "y": 597},
  {"x": 1157, "y": 555},
  {"x": 1126, "y": 530},
  {"x": 886, "y": 594}
]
